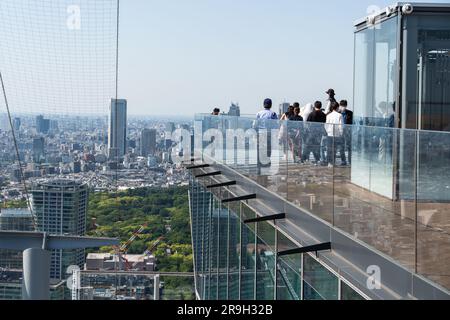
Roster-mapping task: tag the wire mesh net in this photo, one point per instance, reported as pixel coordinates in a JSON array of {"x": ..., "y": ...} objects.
[
  {"x": 58, "y": 57},
  {"x": 58, "y": 62}
]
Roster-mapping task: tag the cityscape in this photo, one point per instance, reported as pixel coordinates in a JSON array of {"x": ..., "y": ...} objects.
[{"x": 342, "y": 195}]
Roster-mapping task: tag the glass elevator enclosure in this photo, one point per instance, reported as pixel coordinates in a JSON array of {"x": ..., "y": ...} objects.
[{"x": 402, "y": 81}]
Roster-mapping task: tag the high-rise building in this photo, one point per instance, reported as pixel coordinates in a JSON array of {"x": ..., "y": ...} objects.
[
  {"x": 235, "y": 110},
  {"x": 42, "y": 124},
  {"x": 117, "y": 133},
  {"x": 14, "y": 220},
  {"x": 38, "y": 149},
  {"x": 53, "y": 125},
  {"x": 60, "y": 207},
  {"x": 11, "y": 260},
  {"x": 284, "y": 107},
  {"x": 148, "y": 142},
  {"x": 170, "y": 127},
  {"x": 76, "y": 166},
  {"x": 17, "y": 123}
]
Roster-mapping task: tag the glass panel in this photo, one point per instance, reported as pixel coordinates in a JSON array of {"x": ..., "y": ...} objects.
[
  {"x": 385, "y": 69},
  {"x": 223, "y": 253},
  {"x": 363, "y": 77},
  {"x": 234, "y": 252},
  {"x": 309, "y": 293},
  {"x": 198, "y": 230},
  {"x": 206, "y": 244},
  {"x": 214, "y": 249},
  {"x": 265, "y": 262},
  {"x": 348, "y": 293},
  {"x": 271, "y": 159},
  {"x": 375, "y": 74},
  {"x": 373, "y": 204},
  {"x": 319, "y": 282},
  {"x": 289, "y": 271},
  {"x": 433, "y": 207},
  {"x": 248, "y": 272},
  {"x": 248, "y": 214},
  {"x": 310, "y": 181},
  {"x": 434, "y": 78}
]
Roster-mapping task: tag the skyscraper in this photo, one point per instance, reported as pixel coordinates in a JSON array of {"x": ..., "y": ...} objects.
[
  {"x": 38, "y": 149},
  {"x": 14, "y": 220},
  {"x": 117, "y": 132},
  {"x": 61, "y": 207},
  {"x": 284, "y": 107},
  {"x": 42, "y": 124},
  {"x": 17, "y": 123},
  {"x": 235, "y": 110},
  {"x": 148, "y": 142}
]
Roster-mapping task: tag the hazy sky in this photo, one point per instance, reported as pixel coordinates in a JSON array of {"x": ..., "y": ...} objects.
[
  {"x": 176, "y": 56},
  {"x": 183, "y": 57}
]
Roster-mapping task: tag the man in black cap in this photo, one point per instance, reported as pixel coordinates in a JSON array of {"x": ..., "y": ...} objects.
[
  {"x": 216, "y": 112},
  {"x": 331, "y": 98}
]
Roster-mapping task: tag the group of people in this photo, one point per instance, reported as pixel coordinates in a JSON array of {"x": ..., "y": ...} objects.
[
  {"x": 323, "y": 140},
  {"x": 323, "y": 134}
]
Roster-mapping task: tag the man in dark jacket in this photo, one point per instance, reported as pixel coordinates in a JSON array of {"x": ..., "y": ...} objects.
[
  {"x": 316, "y": 133},
  {"x": 317, "y": 115},
  {"x": 348, "y": 121},
  {"x": 347, "y": 114}
]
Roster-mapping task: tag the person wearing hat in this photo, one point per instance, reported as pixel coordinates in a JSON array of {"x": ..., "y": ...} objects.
[{"x": 331, "y": 98}]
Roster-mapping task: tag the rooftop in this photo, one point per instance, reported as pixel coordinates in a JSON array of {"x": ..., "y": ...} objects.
[
  {"x": 397, "y": 8},
  {"x": 15, "y": 213}
]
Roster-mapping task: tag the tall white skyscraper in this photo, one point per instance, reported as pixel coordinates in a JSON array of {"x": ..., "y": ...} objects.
[{"x": 117, "y": 132}]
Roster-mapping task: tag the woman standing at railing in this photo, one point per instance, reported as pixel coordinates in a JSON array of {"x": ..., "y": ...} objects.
[
  {"x": 283, "y": 136},
  {"x": 307, "y": 110},
  {"x": 295, "y": 137}
]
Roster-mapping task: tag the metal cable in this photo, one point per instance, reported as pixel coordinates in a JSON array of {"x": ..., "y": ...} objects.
[
  {"x": 22, "y": 176},
  {"x": 116, "y": 128}
]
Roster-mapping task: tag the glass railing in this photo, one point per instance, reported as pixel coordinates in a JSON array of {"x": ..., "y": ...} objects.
[
  {"x": 389, "y": 188},
  {"x": 133, "y": 286}
]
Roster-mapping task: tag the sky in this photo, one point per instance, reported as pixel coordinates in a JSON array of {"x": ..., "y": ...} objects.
[
  {"x": 181, "y": 57},
  {"x": 176, "y": 57}
]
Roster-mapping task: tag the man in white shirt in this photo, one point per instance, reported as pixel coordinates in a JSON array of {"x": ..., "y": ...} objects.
[
  {"x": 335, "y": 132},
  {"x": 267, "y": 113},
  {"x": 266, "y": 120}
]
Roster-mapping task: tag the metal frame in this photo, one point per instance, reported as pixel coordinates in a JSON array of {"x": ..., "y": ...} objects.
[
  {"x": 314, "y": 248},
  {"x": 266, "y": 218},
  {"x": 241, "y": 198},
  {"x": 221, "y": 185},
  {"x": 209, "y": 174},
  {"x": 200, "y": 166}
]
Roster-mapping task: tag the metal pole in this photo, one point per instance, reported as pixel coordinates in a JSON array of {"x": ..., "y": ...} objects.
[
  {"x": 156, "y": 288},
  {"x": 36, "y": 274}
]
